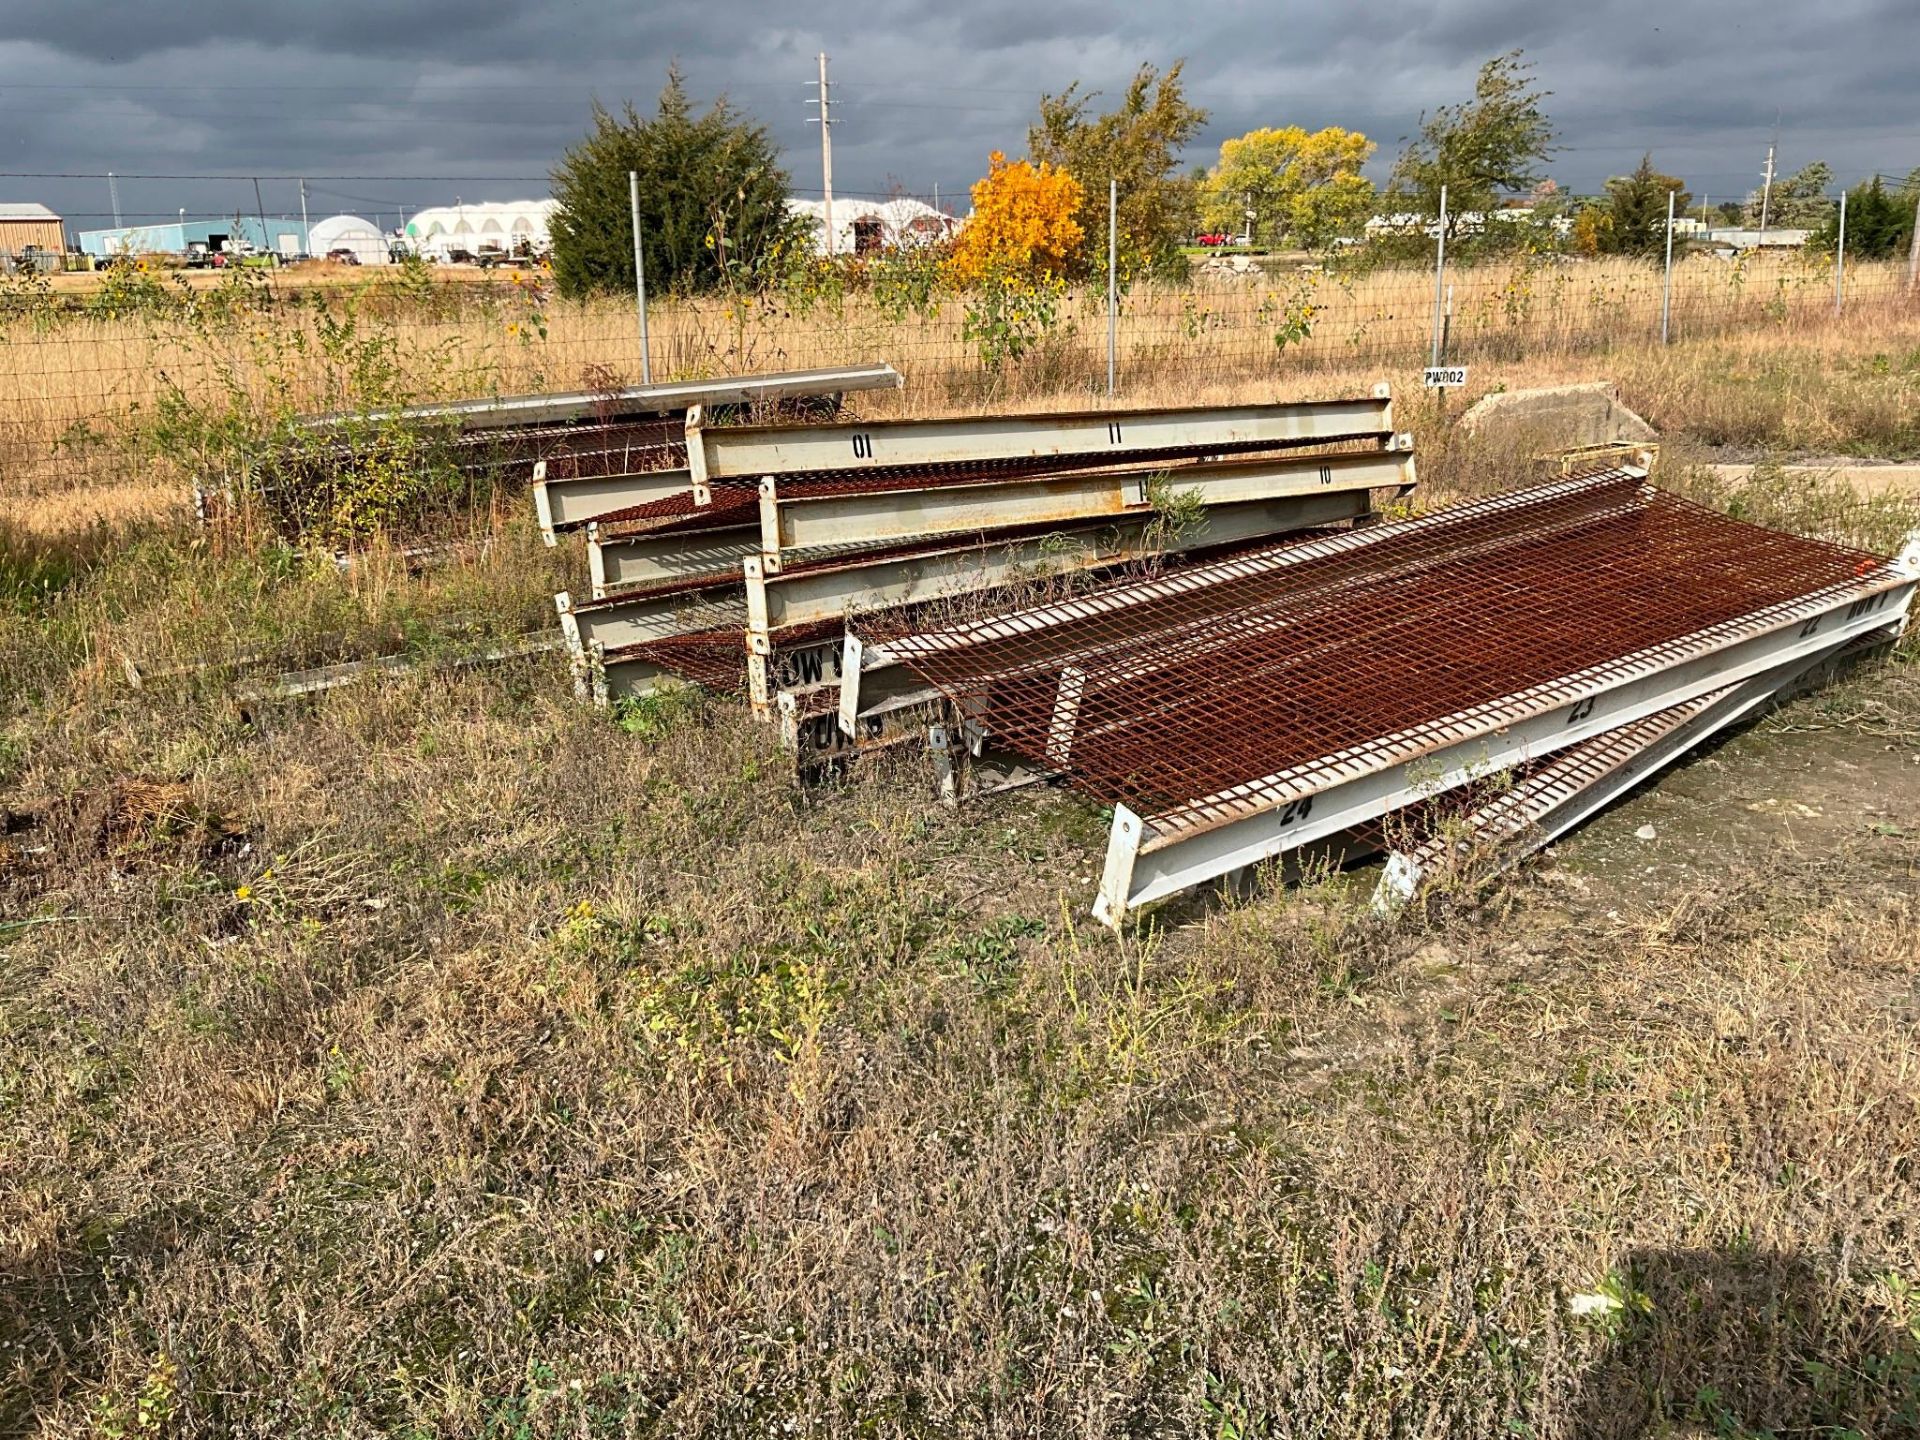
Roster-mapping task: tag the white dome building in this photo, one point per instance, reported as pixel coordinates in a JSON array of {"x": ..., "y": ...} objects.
[
  {"x": 448, "y": 232},
  {"x": 861, "y": 227},
  {"x": 348, "y": 232}
]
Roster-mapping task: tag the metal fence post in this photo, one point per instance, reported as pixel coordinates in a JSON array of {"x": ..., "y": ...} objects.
[
  {"x": 1113, "y": 268},
  {"x": 639, "y": 278},
  {"x": 1840, "y": 258},
  {"x": 1440, "y": 277},
  {"x": 1666, "y": 292},
  {"x": 1913, "y": 251}
]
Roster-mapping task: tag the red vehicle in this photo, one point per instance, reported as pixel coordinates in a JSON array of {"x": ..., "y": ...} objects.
[{"x": 1214, "y": 239}]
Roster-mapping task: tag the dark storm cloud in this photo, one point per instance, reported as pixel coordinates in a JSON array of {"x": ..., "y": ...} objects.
[{"x": 491, "y": 92}]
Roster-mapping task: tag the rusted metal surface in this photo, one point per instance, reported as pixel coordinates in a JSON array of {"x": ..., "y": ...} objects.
[
  {"x": 594, "y": 450},
  {"x": 1213, "y": 693}
]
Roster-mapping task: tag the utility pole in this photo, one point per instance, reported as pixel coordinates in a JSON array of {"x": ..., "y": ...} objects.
[
  {"x": 113, "y": 192},
  {"x": 306, "y": 230},
  {"x": 826, "y": 156},
  {"x": 1766, "y": 197},
  {"x": 260, "y": 209}
]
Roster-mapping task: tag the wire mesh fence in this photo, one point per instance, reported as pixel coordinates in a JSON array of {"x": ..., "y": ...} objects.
[{"x": 156, "y": 370}]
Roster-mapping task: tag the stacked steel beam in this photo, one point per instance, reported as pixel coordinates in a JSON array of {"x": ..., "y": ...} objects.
[
  {"x": 574, "y": 443},
  {"x": 773, "y": 536},
  {"x": 1235, "y": 712}
]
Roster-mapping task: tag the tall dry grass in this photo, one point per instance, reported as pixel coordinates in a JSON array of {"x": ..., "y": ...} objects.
[
  {"x": 73, "y": 389},
  {"x": 439, "y": 1059}
]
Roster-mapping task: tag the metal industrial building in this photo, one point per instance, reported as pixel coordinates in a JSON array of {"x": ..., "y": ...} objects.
[
  {"x": 283, "y": 237},
  {"x": 29, "y": 226}
]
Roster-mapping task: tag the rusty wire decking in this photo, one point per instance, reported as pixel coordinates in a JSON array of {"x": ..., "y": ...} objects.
[{"x": 1199, "y": 699}]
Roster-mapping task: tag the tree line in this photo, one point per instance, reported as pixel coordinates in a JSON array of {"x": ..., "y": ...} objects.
[{"x": 714, "y": 213}]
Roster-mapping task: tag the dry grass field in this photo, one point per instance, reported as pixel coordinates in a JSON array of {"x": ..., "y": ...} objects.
[{"x": 437, "y": 1057}]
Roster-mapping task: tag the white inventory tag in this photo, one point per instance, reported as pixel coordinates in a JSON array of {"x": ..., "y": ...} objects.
[{"x": 1446, "y": 377}]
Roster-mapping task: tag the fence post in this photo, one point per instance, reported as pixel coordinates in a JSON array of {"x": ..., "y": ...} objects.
[
  {"x": 1666, "y": 291},
  {"x": 1113, "y": 267},
  {"x": 1440, "y": 277},
  {"x": 1913, "y": 252},
  {"x": 639, "y": 278},
  {"x": 1840, "y": 258}
]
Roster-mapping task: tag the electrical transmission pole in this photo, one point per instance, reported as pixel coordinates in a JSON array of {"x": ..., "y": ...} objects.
[
  {"x": 1766, "y": 195},
  {"x": 826, "y": 156},
  {"x": 306, "y": 230},
  {"x": 113, "y": 192}
]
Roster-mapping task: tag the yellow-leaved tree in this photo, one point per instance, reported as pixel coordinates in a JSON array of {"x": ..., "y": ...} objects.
[
  {"x": 1023, "y": 222},
  {"x": 1303, "y": 187}
]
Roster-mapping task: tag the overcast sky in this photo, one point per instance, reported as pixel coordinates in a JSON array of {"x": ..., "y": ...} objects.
[{"x": 476, "y": 98}]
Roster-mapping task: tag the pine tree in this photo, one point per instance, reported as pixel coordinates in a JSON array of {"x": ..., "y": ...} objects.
[
  {"x": 1879, "y": 224},
  {"x": 1636, "y": 208},
  {"x": 712, "y": 199}
]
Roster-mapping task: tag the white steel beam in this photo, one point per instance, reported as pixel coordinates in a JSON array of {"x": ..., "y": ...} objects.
[
  {"x": 791, "y": 669},
  {"x": 800, "y": 520},
  {"x": 1148, "y": 860},
  {"x": 617, "y": 563},
  {"x": 574, "y": 501},
  {"x": 628, "y": 400},
  {"x": 1584, "y": 779},
  {"x": 750, "y": 452},
  {"x": 650, "y": 615}
]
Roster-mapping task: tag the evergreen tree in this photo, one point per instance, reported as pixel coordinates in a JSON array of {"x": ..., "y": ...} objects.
[
  {"x": 1879, "y": 223},
  {"x": 1799, "y": 201},
  {"x": 1636, "y": 210},
  {"x": 712, "y": 199}
]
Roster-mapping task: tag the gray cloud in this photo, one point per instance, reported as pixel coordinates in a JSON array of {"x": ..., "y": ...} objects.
[{"x": 480, "y": 96}]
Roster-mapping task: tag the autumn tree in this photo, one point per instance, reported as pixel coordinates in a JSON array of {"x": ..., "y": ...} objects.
[
  {"x": 1138, "y": 144},
  {"x": 1024, "y": 222},
  {"x": 1302, "y": 186},
  {"x": 712, "y": 198},
  {"x": 1492, "y": 145},
  {"x": 1634, "y": 215}
]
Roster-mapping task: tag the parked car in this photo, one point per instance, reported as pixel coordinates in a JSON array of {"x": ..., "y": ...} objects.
[{"x": 344, "y": 255}]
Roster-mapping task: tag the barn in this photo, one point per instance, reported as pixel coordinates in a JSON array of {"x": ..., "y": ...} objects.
[{"x": 31, "y": 227}]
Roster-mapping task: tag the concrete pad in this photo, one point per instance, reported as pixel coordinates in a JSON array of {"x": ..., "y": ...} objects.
[
  {"x": 1866, "y": 477},
  {"x": 1558, "y": 417}
]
